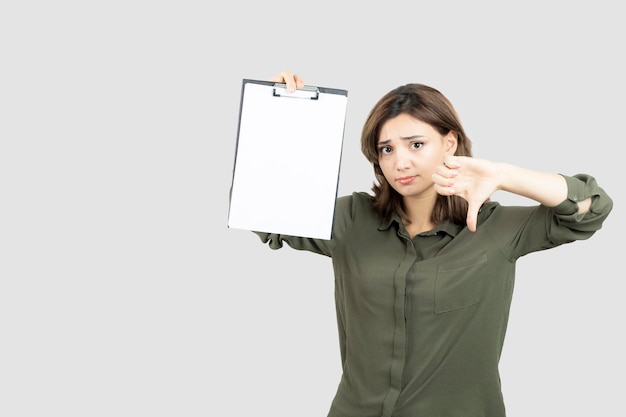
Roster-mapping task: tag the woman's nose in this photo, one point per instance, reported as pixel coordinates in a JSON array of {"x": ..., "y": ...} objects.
[{"x": 402, "y": 161}]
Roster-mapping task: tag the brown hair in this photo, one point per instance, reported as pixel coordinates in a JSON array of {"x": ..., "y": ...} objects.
[{"x": 429, "y": 106}]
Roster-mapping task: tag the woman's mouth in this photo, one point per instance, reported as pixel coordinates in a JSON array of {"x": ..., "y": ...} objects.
[{"x": 405, "y": 180}]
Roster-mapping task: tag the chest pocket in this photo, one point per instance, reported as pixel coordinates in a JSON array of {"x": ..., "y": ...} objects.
[{"x": 458, "y": 283}]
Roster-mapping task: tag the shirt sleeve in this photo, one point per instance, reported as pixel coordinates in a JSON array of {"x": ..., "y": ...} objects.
[
  {"x": 276, "y": 241},
  {"x": 581, "y": 187},
  {"x": 522, "y": 230}
]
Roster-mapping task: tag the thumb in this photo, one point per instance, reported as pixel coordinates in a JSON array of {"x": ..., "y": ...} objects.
[{"x": 472, "y": 216}]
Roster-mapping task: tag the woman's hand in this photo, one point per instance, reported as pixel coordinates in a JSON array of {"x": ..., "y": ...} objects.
[
  {"x": 473, "y": 179},
  {"x": 292, "y": 81}
]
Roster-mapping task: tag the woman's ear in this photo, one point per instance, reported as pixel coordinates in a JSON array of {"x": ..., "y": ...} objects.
[{"x": 451, "y": 142}]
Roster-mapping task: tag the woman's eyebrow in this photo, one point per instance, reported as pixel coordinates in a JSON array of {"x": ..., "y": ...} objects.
[{"x": 386, "y": 141}]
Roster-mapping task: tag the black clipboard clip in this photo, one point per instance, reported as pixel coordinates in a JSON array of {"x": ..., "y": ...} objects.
[{"x": 306, "y": 92}]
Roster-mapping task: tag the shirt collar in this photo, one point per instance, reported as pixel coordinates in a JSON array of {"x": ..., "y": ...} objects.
[{"x": 448, "y": 227}]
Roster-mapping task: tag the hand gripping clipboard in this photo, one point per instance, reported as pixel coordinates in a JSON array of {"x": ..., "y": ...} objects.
[{"x": 287, "y": 159}]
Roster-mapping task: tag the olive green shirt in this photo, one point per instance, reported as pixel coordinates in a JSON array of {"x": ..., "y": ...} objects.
[{"x": 422, "y": 321}]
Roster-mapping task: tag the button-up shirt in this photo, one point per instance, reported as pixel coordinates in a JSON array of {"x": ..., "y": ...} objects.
[{"x": 422, "y": 320}]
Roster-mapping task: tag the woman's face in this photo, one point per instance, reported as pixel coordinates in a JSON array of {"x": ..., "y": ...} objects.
[{"x": 409, "y": 150}]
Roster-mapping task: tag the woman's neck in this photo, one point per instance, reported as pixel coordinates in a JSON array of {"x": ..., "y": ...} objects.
[{"x": 419, "y": 212}]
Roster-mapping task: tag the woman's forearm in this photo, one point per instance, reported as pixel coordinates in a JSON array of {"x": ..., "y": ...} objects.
[{"x": 547, "y": 188}]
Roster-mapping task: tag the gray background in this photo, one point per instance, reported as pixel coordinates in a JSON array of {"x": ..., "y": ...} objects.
[{"x": 123, "y": 292}]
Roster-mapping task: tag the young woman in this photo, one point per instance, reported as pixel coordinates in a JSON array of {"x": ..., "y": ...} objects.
[{"x": 424, "y": 266}]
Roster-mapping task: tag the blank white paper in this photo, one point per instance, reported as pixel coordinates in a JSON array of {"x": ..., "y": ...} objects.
[{"x": 287, "y": 161}]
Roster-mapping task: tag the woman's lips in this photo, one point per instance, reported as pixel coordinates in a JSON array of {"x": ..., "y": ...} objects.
[{"x": 405, "y": 180}]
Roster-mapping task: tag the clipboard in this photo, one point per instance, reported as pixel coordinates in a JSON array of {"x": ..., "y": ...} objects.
[{"x": 287, "y": 159}]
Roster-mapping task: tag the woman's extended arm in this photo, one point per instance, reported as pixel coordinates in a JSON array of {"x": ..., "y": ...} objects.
[{"x": 477, "y": 179}]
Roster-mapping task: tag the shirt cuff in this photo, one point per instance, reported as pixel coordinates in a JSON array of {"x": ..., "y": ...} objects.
[{"x": 575, "y": 193}]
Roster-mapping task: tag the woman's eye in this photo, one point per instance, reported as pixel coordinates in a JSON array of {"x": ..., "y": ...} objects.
[
  {"x": 417, "y": 145},
  {"x": 385, "y": 149}
]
